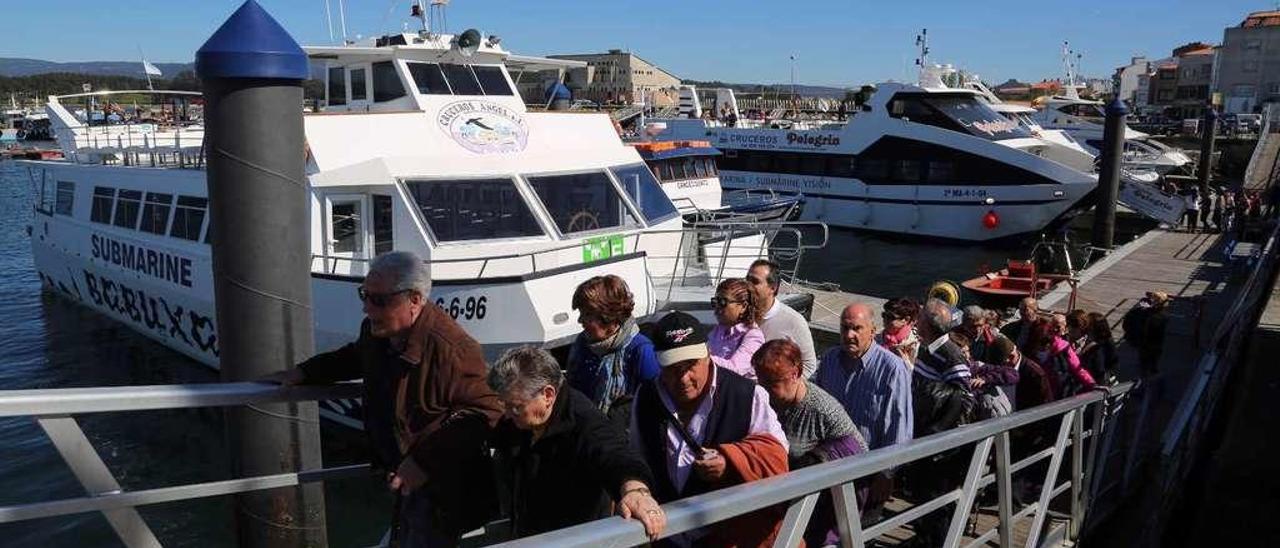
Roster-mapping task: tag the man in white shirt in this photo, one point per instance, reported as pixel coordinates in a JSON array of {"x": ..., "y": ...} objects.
[{"x": 780, "y": 321}]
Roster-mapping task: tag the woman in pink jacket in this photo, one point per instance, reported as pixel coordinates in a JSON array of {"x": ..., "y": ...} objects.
[
  {"x": 1060, "y": 361},
  {"x": 737, "y": 336}
]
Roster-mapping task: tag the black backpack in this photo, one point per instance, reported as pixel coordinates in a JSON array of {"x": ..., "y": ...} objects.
[{"x": 1135, "y": 323}]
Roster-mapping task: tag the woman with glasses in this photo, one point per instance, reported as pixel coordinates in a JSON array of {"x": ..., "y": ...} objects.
[
  {"x": 610, "y": 358},
  {"x": 737, "y": 335},
  {"x": 559, "y": 460},
  {"x": 899, "y": 334}
]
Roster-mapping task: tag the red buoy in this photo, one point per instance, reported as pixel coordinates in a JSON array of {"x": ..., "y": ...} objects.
[{"x": 991, "y": 220}]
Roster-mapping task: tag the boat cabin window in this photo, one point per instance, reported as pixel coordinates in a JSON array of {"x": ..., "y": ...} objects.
[
  {"x": 348, "y": 235},
  {"x": 429, "y": 79},
  {"x": 386, "y": 82},
  {"x": 128, "y": 205},
  {"x": 65, "y": 201},
  {"x": 1084, "y": 110},
  {"x": 155, "y": 213},
  {"x": 48, "y": 195},
  {"x": 962, "y": 113},
  {"x": 359, "y": 85},
  {"x": 188, "y": 218},
  {"x": 337, "y": 86},
  {"x": 473, "y": 209},
  {"x": 445, "y": 79},
  {"x": 582, "y": 202},
  {"x": 644, "y": 190},
  {"x": 382, "y": 235},
  {"x": 461, "y": 79},
  {"x": 103, "y": 198},
  {"x": 493, "y": 80}
]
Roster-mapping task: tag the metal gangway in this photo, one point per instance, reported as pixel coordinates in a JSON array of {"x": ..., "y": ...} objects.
[{"x": 1089, "y": 437}]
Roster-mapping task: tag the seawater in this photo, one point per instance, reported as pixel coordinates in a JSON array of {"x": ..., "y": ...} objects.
[{"x": 50, "y": 342}]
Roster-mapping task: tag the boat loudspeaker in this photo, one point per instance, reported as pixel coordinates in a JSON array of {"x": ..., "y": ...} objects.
[
  {"x": 468, "y": 42},
  {"x": 945, "y": 291}
]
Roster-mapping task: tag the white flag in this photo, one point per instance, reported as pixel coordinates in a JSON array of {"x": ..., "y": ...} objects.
[{"x": 149, "y": 68}]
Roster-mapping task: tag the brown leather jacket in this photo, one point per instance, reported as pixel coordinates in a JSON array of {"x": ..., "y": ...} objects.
[{"x": 429, "y": 402}]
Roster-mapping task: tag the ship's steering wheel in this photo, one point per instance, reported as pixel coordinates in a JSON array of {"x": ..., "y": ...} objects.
[{"x": 583, "y": 221}]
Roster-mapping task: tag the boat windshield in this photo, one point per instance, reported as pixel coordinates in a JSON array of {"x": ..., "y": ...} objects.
[
  {"x": 960, "y": 112},
  {"x": 1088, "y": 111},
  {"x": 582, "y": 202},
  {"x": 977, "y": 118}
]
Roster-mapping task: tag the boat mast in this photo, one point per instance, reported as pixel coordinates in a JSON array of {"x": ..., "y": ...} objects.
[{"x": 922, "y": 58}]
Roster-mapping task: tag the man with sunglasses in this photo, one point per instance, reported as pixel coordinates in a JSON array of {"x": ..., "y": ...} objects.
[
  {"x": 780, "y": 321},
  {"x": 428, "y": 408}
]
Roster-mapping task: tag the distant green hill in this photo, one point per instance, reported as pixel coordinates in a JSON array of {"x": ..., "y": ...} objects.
[{"x": 10, "y": 66}]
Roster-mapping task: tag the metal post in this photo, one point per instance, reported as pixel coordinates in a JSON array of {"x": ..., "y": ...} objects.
[
  {"x": 1208, "y": 138},
  {"x": 1104, "y": 220},
  {"x": 1077, "y": 475},
  {"x": 252, "y": 72},
  {"x": 1004, "y": 489}
]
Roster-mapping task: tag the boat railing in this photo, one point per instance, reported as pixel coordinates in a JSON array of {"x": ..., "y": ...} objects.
[
  {"x": 1086, "y": 430},
  {"x": 139, "y": 141},
  {"x": 690, "y": 264}
]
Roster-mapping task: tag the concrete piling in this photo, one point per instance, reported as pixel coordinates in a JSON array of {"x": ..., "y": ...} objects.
[
  {"x": 252, "y": 72},
  {"x": 1104, "y": 221}
]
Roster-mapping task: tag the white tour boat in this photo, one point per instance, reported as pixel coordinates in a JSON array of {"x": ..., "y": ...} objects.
[
  {"x": 424, "y": 146},
  {"x": 934, "y": 163}
]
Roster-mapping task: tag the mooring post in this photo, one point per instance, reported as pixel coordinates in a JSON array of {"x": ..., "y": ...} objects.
[
  {"x": 1104, "y": 220},
  {"x": 1208, "y": 138},
  {"x": 252, "y": 72}
]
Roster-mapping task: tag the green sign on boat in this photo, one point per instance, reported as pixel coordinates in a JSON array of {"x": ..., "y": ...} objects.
[{"x": 603, "y": 247}]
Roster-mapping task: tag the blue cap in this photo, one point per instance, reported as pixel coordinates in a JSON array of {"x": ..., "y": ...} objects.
[
  {"x": 251, "y": 44},
  {"x": 1117, "y": 107}
]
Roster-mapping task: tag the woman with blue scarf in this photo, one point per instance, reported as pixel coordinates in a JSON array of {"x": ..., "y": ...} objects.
[{"x": 610, "y": 358}]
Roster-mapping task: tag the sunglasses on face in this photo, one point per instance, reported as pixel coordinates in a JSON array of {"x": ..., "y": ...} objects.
[
  {"x": 379, "y": 300},
  {"x": 721, "y": 302}
]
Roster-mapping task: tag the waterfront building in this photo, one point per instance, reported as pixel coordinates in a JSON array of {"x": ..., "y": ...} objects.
[
  {"x": 1194, "y": 79},
  {"x": 1249, "y": 64},
  {"x": 1132, "y": 82},
  {"x": 620, "y": 77}
]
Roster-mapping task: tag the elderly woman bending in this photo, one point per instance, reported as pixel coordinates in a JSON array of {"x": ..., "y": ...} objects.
[
  {"x": 816, "y": 425},
  {"x": 560, "y": 460}
]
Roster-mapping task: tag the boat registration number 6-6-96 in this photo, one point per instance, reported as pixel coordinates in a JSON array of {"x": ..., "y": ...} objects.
[{"x": 469, "y": 308}]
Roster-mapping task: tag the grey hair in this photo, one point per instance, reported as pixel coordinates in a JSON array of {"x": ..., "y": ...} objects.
[
  {"x": 975, "y": 311},
  {"x": 524, "y": 370},
  {"x": 937, "y": 315},
  {"x": 407, "y": 271}
]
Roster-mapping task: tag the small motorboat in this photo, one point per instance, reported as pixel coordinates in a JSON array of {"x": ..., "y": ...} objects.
[{"x": 1050, "y": 265}]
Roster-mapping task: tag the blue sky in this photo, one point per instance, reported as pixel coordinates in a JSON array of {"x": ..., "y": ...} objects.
[{"x": 835, "y": 42}]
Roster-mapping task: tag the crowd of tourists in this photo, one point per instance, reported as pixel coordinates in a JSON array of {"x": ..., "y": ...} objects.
[
  {"x": 1221, "y": 209},
  {"x": 643, "y": 415}
]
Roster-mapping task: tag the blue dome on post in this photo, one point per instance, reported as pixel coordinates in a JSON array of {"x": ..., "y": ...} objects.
[
  {"x": 251, "y": 44},
  {"x": 1117, "y": 107}
]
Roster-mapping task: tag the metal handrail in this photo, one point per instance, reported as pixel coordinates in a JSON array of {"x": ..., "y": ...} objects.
[
  {"x": 78, "y": 401},
  {"x": 53, "y": 410},
  {"x": 707, "y": 228},
  {"x": 800, "y": 486}
]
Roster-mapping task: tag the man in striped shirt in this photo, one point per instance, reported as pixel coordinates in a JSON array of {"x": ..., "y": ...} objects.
[{"x": 874, "y": 386}]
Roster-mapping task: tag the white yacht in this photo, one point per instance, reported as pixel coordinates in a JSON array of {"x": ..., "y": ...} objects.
[
  {"x": 1084, "y": 119},
  {"x": 423, "y": 146},
  {"x": 937, "y": 163},
  {"x": 1069, "y": 151}
]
